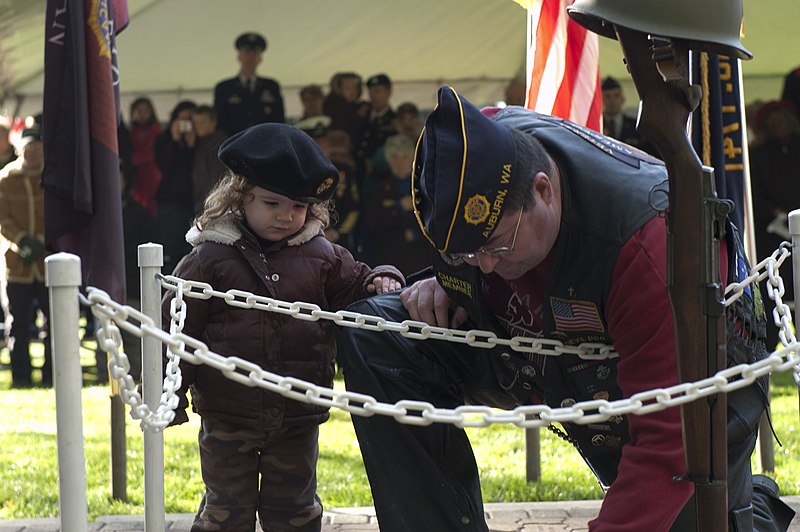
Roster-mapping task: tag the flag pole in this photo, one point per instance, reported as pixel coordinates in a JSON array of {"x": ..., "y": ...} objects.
[
  {"x": 560, "y": 54},
  {"x": 749, "y": 224},
  {"x": 766, "y": 446},
  {"x": 533, "y": 461}
]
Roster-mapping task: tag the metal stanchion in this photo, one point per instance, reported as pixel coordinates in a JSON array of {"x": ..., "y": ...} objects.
[
  {"x": 63, "y": 278},
  {"x": 794, "y": 230},
  {"x": 533, "y": 462},
  {"x": 150, "y": 262}
]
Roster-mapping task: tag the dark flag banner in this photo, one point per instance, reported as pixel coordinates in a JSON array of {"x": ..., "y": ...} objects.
[
  {"x": 81, "y": 179},
  {"x": 717, "y": 132}
]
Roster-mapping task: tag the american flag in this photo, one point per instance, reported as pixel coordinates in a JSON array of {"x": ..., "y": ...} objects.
[
  {"x": 562, "y": 65},
  {"x": 571, "y": 315}
]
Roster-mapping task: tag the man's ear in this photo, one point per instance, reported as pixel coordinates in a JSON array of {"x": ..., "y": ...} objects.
[{"x": 542, "y": 188}]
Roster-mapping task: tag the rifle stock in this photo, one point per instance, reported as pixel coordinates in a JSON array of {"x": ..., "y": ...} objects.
[{"x": 666, "y": 100}]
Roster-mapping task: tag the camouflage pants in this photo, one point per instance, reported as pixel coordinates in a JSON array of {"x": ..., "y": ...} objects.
[{"x": 270, "y": 473}]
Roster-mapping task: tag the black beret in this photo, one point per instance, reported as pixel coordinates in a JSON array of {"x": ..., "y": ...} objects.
[
  {"x": 463, "y": 167},
  {"x": 251, "y": 40},
  {"x": 379, "y": 79},
  {"x": 283, "y": 159},
  {"x": 610, "y": 83}
]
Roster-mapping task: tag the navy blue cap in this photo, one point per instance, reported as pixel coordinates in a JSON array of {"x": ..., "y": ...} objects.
[
  {"x": 610, "y": 83},
  {"x": 251, "y": 40},
  {"x": 463, "y": 167},
  {"x": 283, "y": 159},
  {"x": 379, "y": 79}
]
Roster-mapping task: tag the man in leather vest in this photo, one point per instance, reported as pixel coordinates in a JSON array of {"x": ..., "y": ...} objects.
[{"x": 542, "y": 228}]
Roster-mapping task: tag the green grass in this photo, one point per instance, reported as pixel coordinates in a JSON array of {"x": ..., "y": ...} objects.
[{"x": 29, "y": 471}]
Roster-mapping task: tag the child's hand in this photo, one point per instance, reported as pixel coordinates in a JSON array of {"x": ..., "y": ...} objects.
[{"x": 381, "y": 285}]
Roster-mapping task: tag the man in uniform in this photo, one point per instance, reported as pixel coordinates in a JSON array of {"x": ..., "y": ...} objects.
[
  {"x": 380, "y": 121},
  {"x": 548, "y": 230},
  {"x": 616, "y": 124},
  {"x": 791, "y": 89},
  {"x": 247, "y": 99}
]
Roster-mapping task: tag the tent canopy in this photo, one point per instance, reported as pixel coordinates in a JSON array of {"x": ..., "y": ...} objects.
[{"x": 176, "y": 49}]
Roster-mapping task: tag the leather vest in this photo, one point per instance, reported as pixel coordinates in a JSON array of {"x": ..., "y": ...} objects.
[
  {"x": 609, "y": 191},
  {"x": 607, "y": 194}
]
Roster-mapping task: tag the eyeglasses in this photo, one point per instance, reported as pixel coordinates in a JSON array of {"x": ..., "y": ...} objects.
[{"x": 500, "y": 251}]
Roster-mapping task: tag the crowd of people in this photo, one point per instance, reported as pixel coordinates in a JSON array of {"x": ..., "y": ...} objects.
[
  {"x": 352, "y": 130},
  {"x": 169, "y": 167}
]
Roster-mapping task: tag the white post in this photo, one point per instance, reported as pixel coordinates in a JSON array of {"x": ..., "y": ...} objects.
[
  {"x": 794, "y": 230},
  {"x": 151, "y": 259},
  {"x": 63, "y": 277}
]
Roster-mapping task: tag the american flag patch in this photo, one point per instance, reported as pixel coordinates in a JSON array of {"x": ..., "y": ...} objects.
[
  {"x": 571, "y": 315},
  {"x": 742, "y": 273}
]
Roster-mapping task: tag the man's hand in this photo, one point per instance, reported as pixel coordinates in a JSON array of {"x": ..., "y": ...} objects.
[
  {"x": 427, "y": 301},
  {"x": 381, "y": 285}
]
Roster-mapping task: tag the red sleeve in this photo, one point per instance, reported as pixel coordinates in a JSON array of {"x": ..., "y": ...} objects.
[
  {"x": 639, "y": 316},
  {"x": 490, "y": 111}
]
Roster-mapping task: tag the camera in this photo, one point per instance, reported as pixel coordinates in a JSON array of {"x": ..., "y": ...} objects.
[{"x": 184, "y": 126}]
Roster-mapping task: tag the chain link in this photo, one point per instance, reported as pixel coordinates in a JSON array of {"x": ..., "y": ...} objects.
[
  {"x": 110, "y": 315},
  {"x": 180, "y": 346}
]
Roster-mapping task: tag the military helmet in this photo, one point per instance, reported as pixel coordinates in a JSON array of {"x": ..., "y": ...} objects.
[{"x": 709, "y": 26}]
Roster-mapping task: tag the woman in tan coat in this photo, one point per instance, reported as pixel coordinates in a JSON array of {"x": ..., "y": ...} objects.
[{"x": 22, "y": 227}]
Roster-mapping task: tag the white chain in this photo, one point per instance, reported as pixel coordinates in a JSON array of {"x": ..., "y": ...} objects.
[
  {"x": 781, "y": 314},
  {"x": 110, "y": 316},
  {"x": 416, "y": 330},
  {"x": 413, "y": 412}
]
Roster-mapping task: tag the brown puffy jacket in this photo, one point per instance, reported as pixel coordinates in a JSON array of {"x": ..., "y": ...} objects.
[
  {"x": 305, "y": 268},
  {"x": 21, "y": 214}
]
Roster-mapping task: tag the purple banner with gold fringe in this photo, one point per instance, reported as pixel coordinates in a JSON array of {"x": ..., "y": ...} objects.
[{"x": 83, "y": 212}]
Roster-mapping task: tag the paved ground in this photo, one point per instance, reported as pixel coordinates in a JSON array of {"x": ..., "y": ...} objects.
[{"x": 569, "y": 516}]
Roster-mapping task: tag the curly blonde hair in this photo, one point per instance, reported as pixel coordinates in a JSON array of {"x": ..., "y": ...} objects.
[{"x": 229, "y": 195}]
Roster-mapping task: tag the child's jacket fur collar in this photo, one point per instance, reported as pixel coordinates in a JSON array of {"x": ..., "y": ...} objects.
[{"x": 229, "y": 229}]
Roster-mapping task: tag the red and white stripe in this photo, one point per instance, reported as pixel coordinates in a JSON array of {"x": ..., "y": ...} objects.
[{"x": 563, "y": 65}]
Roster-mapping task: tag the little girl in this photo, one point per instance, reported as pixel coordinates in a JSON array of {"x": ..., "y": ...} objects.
[{"x": 262, "y": 231}]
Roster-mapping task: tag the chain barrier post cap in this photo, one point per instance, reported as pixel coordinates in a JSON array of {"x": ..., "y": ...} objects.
[
  {"x": 150, "y": 255},
  {"x": 712, "y": 26},
  {"x": 794, "y": 222},
  {"x": 62, "y": 269}
]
